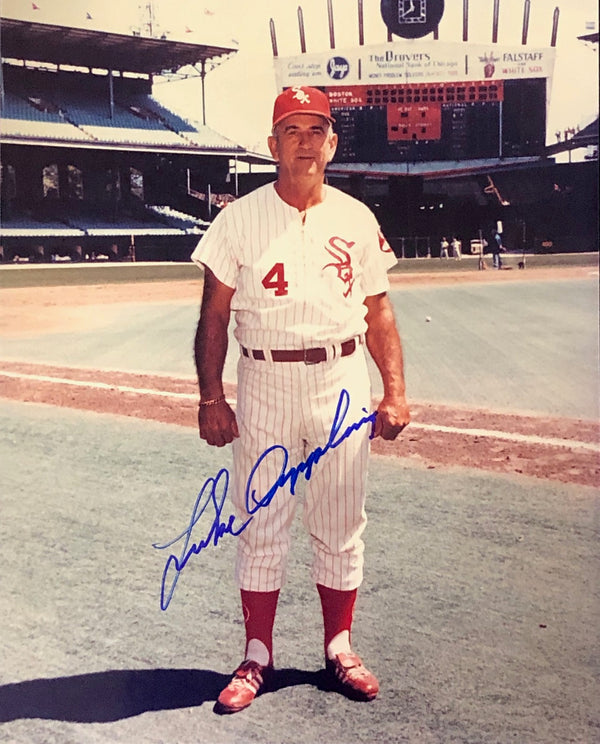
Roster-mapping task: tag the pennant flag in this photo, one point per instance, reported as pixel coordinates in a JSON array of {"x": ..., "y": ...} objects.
[
  {"x": 34, "y": 6},
  {"x": 88, "y": 16},
  {"x": 188, "y": 30}
]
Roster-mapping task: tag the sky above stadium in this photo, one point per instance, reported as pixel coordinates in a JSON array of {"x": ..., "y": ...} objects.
[{"x": 240, "y": 91}]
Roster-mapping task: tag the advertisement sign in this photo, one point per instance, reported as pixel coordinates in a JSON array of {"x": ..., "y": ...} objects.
[{"x": 415, "y": 61}]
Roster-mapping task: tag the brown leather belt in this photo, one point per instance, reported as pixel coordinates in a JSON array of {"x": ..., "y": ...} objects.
[{"x": 308, "y": 356}]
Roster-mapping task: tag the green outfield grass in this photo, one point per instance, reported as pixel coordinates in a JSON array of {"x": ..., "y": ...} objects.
[
  {"x": 52, "y": 275},
  {"x": 59, "y": 275},
  {"x": 509, "y": 260}
]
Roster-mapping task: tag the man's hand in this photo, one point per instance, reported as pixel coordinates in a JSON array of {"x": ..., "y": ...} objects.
[
  {"x": 393, "y": 416},
  {"x": 217, "y": 424},
  {"x": 383, "y": 342}
]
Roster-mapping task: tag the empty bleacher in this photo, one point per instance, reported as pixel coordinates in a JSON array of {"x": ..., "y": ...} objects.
[
  {"x": 147, "y": 105},
  {"x": 85, "y": 172},
  {"x": 26, "y": 226},
  {"x": 34, "y": 130},
  {"x": 31, "y": 108},
  {"x": 55, "y": 105},
  {"x": 98, "y": 226},
  {"x": 178, "y": 219}
]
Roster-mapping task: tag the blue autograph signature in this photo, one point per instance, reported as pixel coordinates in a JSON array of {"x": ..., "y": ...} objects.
[{"x": 214, "y": 492}]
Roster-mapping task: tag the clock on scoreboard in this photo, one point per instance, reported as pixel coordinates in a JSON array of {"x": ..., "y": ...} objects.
[{"x": 412, "y": 19}]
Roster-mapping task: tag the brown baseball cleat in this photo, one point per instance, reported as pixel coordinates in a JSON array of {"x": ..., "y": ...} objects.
[
  {"x": 352, "y": 678},
  {"x": 248, "y": 681}
]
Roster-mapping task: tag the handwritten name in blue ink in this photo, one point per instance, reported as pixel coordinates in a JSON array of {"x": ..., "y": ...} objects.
[
  {"x": 304, "y": 467},
  {"x": 214, "y": 493}
]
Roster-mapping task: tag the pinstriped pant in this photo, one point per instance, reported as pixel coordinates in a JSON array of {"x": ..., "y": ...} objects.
[{"x": 293, "y": 405}]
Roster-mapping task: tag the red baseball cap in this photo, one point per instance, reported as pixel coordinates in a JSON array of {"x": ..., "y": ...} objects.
[{"x": 301, "y": 100}]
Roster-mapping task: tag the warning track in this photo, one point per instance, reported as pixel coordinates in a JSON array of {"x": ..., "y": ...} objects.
[{"x": 566, "y": 450}]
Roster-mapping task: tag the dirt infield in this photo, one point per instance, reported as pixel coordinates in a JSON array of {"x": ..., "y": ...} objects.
[
  {"x": 560, "y": 449},
  {"x": 568, "y": 450}
]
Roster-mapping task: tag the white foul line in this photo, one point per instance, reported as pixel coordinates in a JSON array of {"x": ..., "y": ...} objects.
[
  {"x": 484, "y": 433},
  {"x": 99, "y": 385},
  {"x": 511, "y": 437}
]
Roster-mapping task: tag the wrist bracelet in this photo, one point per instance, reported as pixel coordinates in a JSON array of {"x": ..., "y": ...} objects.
[{"x": 213, "y": 401}]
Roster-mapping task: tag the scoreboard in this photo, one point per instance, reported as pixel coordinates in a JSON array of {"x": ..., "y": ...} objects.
[
  {"x": 420, "y": 106},
  {"x": 443, "y": 121}
]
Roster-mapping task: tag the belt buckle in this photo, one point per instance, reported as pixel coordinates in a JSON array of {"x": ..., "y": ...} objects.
[{"x": 306, "y": 360}]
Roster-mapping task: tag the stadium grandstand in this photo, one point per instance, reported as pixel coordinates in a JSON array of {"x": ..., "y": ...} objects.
[{"x": 93, "y": 166}]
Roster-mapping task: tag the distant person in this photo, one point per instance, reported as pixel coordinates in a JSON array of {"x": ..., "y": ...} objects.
[
  {"x": 483, "y": 244},
  {"x": 456, "y": 248},
  {"x": 444, "y": 245},
  {"x": 497, "y": 249}
]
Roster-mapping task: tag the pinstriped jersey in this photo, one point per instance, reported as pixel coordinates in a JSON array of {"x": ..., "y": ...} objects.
[{"x": 300, "y": 278}]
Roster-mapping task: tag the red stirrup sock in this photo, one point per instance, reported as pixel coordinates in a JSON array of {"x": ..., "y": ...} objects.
[
  {"x": 338, "y": 613},
  {"x": 259, "y": 617}
]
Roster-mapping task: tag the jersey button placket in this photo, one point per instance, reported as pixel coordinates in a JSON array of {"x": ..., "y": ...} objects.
[{"x": 302, "y": 264}]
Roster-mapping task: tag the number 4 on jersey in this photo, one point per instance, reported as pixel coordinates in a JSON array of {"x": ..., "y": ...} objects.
[{"x": 275, "y": 279}]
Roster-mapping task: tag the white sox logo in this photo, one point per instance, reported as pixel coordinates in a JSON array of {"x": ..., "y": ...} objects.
[
  {"x": 301, "y": 95},
  {"x": 343, "y": 262}
]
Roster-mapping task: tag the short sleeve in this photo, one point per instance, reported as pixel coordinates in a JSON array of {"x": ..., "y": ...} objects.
[
  {"x": 215, "y": 250},
  {"x": 379, "y": 259}
]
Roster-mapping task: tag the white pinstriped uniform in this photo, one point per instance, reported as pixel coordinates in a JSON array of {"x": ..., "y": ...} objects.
[{"x": 300, "y": 281}]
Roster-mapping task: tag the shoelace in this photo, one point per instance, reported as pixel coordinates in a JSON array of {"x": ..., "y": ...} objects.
[{"x": 249, "y": 676}]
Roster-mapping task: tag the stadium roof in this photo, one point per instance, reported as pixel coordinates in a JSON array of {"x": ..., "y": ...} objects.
[
  {"x": 204, "y": 140},
  {"x": 431, "y": 169},
  {"x": 592, "y": 37},
  {"x": 62, "y": 45},
  {"x": 587, "y": 137}
]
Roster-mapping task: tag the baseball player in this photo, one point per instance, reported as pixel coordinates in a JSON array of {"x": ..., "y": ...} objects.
[
  {"x": 456, "y": 245},
  {"x": 302, "y": 266},
  {"x": 444, "y": 245}
]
